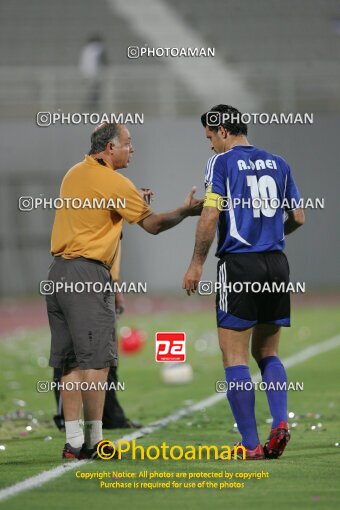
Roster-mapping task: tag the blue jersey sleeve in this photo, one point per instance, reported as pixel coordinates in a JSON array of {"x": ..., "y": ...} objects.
[
  {"x": 215, "y": 176},
  {"x": 207, "y": 174},
  {"x": 292, "y": 195}
]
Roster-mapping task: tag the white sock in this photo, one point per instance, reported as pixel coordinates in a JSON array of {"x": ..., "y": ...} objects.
[
  {"x": 74, "y": 433},
  {"x": 93, "y": 433}
]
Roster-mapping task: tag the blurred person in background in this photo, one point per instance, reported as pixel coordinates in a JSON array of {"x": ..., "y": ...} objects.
[{"x": 93, "y": 60}]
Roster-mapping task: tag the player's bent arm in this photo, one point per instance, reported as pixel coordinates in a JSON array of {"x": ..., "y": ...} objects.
[
  {"x": 205, "y": 234},
  {"x": 295, "y": 219}
]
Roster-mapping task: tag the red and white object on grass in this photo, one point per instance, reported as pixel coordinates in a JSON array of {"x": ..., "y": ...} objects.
[
  {"x": 177, "y": 373},
  {"x": 131, "y": 341}
]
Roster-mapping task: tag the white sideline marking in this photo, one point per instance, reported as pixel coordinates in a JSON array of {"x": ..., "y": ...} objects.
[{"x": 46, "y": 476}]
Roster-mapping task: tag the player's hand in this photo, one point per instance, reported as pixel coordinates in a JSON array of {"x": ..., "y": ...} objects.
[
  {"x": 193, "y": 205},
  {"x": 147, "y": 194},
  {"x": 119, "y": 303},
  {"x": 191, "y": 278}
]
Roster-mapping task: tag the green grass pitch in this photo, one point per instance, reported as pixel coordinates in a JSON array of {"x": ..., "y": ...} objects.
[{"x": 307, "y": 476}]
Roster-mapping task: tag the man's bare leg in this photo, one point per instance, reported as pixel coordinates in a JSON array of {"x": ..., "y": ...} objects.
[
  {"x": 241, "y": 396},
  {"x": 72, "y": 405},
  {"x": 93, "y": 402}
]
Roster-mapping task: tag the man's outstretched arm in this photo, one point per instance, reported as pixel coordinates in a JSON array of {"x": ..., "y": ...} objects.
[
  {"x": 158, "y": 222},
  {"x": 205, "y": 234}
]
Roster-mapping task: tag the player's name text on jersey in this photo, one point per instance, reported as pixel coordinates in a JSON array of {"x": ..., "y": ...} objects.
[{"x": 258, "y": 164}]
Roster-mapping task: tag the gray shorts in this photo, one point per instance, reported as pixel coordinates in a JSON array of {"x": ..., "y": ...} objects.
[{"x": 82, "y": 323}]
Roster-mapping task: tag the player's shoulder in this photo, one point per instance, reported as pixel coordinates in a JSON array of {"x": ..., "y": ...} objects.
[
  {"x": 281, "y": 161},
  {"x": 256, "y": 152},
  {"x": 216, "y": 161},
  {"x": 209, "y": 170},
  {"x": 278, "y": 157},
  {"x": 218, "y": 158},
  {"x": 266, "y": 155}
]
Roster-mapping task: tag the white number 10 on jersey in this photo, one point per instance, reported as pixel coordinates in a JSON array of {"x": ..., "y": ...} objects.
[{"x": 264, "y": 194}]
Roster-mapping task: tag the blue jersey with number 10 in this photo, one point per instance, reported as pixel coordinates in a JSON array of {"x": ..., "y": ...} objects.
[{"x": 255, "y": 188}]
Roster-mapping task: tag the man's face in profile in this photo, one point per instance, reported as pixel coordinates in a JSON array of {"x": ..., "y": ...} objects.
[
  {"x": 123, "y": 151},
  {"x": 216, "y": 140}
]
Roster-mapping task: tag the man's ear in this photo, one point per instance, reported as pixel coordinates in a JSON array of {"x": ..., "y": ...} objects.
[
  {"x": 110, "y": 146},
  {"x": 223, "y": 132}
]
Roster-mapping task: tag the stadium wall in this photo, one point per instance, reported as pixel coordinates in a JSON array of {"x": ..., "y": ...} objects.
[{"x": 170, "y": 157}]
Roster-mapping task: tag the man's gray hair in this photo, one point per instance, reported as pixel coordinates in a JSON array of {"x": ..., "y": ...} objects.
[{"x": 102, "y": 135}]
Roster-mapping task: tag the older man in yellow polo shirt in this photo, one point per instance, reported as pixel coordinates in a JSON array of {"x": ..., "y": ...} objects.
[{"x": 84, "y": 244}]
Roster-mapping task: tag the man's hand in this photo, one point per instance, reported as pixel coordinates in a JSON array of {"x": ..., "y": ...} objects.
[
  {"x": 119, "y": 303},
  {"x": 158, "y": 222},
  {"x": 193, "y": 205},
  {"x": 147, "y": 195},
  {"x": 294, "y": 220},
  {"x": 191, "y": 278}
]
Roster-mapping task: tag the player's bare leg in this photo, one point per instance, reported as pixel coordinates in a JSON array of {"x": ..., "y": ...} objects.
[
  {"x": 265, "y": 341},
  {"x": 265, "y": 344},
  {"x": 234, "y": 345}
]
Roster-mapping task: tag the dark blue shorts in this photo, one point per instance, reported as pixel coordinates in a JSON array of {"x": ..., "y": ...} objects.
[{"x": 243, "y": 299}]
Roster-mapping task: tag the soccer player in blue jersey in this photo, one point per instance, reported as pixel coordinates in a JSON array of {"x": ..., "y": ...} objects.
[{"x": 251, "y": 239}]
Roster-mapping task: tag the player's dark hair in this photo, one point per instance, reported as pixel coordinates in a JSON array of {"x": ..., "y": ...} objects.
[
  {"x": 231, "y": 120},
  {"x": 102, "y": 135}
]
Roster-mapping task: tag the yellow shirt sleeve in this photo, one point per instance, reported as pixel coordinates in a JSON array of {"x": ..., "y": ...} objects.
[{"x": 135, "y": 208}]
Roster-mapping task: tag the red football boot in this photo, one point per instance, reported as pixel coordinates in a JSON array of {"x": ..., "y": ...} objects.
[
  {"x": 277, "y": 441},
  {"x": 107, "y": 451},
  {"x": 256, "y": 454},
  {"x": 70, "y": 453}
]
